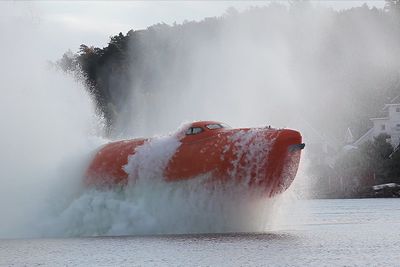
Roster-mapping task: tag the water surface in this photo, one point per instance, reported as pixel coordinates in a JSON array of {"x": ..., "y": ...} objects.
[{"x": 359, "y": 232}]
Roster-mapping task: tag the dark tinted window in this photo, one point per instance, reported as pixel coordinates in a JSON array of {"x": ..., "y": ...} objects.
[
  {"x": 214, "y": 126},
  {"x": 225, "y": 126},
  {"x": 217, "y": 126},
  {"x": 194, "y": 130}
]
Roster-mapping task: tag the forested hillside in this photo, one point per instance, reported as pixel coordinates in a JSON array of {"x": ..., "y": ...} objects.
[{"x": 347, "y": 61}]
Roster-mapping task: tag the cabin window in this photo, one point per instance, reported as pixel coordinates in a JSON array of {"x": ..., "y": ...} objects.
[
  {"x": 217, "y": 126},
  {"x": 383, "y": 127},
  {"x": 214, "y": 126},
  {"x": 194, "y": 130},
  {"x": 397, "y": 109},
  {"x": 225, "y": 126}
]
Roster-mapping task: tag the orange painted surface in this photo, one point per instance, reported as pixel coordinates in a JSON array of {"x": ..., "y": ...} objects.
[{"x": 260, "y": 157}]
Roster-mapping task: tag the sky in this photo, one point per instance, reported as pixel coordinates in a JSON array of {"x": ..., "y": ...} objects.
[{"x": 71, "y": 23}]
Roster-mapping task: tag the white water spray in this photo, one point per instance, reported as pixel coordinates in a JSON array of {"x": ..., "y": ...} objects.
[
  {"x": 49, "y": 130},
  {"x": 149, "y": 205},
  {"x": 47, "y": 119}
]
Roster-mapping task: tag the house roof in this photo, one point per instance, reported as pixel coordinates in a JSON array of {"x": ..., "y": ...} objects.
[
  {"x": 395, "y": 99},
  {"x": 364, "y": 137},
  {"x": 376, "y": 119},
  {"x": 349, "y": 136},
  {"x": 388, "y": 105},
  {"x": 394, "y": 102}
]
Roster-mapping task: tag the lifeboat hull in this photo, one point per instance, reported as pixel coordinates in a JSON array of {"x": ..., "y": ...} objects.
[{"x": 265, "y": 159}]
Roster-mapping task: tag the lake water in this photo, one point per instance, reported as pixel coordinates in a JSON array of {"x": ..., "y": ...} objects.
[{"x": 354, "y": 232}]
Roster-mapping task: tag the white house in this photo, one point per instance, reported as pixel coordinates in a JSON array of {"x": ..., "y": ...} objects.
[{"x": 389, "y": 124}]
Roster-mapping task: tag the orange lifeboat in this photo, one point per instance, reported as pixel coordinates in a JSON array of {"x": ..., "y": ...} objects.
[{"x": 262, "y": 158}]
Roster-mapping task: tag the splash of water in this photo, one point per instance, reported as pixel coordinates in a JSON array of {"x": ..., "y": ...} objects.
[
  {"x": 149, "y": 205},
  {"x": 49, "y": 132},
  {"x": 48, "y": 125}
]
